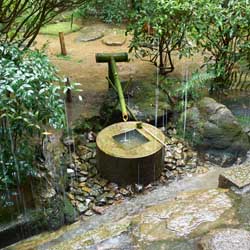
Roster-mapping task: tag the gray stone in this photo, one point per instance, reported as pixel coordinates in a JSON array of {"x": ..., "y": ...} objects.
[
  {"x": 226, "y": 239},
  {"x": 83, "y": 179},
  {"x": 212, "y": 128},
  {"x": 81, "y": 207},
  {"x": 114, "y": 39},
  {"x": 89, "y": 34},
  {"x": 238, "y": 176},
  {"x": 70, "y": 172},
  {"x": 190, "y": 213}
]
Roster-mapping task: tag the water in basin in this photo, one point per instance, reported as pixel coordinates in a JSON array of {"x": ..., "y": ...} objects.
[{"x": 130, "y": 139}]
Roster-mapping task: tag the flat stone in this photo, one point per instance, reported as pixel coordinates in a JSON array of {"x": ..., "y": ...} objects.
[
  {"x": 226, "y": 239},
  {"x": 192, "y": 212},
  {"x": 238, "y": 176},
  {"x": 89, "y": 34},
  {"x": 114, "y": 40}
]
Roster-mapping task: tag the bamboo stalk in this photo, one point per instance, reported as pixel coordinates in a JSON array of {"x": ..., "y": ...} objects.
[
  {"x": 105, "y": 57},
  {"x": 119, "y": 89}
]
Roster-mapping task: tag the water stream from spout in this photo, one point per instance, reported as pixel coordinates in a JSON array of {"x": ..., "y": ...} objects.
[
  {"x": 185, "y": 101},
  {"x": 157, "y": 86}
]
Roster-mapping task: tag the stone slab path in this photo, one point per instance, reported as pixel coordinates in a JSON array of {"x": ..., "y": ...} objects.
[
  {"x": 126, "y": 225},
  {"x": 238, "y": 176}
]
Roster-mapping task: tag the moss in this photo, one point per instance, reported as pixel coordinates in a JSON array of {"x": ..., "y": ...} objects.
[
  {"x": 54, "y": 29},
  {"x": 69, "y": 211}
]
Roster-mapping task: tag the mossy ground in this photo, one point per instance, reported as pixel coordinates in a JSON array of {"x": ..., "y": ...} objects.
[{"x": 54, "y": 29}]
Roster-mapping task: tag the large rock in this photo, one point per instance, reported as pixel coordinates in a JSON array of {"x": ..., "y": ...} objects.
[
  {"x": 191, "y": 213},
  {"x": 226, "y": 239},
  {"x": 213, "y": 129}
]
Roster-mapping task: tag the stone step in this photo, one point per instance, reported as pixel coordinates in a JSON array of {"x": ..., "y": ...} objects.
[{"x": 238, "y": 176}]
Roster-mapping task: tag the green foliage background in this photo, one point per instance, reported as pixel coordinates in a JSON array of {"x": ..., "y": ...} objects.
[{"x": 30, "y": 103}]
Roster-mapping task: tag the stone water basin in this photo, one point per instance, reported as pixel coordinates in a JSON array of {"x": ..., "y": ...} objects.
[{"x": 127, "y": 154}]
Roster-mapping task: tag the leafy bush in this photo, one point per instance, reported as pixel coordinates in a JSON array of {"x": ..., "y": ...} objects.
[
  {"x": 160, "y": 28},
  {"x": 29, "y": 104},
  {"x": 108, "y": 11},
  {"x": 221, "y": 29}
]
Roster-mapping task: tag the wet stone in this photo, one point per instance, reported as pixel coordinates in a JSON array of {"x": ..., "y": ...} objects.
[
  {"x": 238, "y": 176},
  {"x": 114, "y": 40},
  {"x": 226, "y": 239},
  {"x": 70, "y": 172},
  {"x": 86, "y": 157},
  {"x": 88, "y": 213},
  {"x": 81, "y": 207},
  {"x": 191, "y": 212},
  {"x": 82, "y": 179},
  {"x": 89, "y": 34},
  {"x": 85, "y": 173}
]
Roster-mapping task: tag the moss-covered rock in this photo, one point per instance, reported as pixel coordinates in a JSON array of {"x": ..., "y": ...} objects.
[{"x": 212, "y": 128}]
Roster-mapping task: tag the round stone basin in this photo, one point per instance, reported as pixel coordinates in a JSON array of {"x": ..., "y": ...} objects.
[{"x": 127, "y": 154}]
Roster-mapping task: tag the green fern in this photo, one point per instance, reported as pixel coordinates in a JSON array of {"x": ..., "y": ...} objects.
[{"x": 196, "y": 86}]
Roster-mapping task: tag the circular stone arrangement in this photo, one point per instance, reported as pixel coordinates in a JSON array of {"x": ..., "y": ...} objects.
[{"x": 128, "y": 154}]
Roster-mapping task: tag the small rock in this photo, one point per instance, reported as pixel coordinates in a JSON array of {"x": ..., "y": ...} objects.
[
  {"x": 85, "y": 173},
  {"x": 81, "y": 207},
  {"x": 70, "y": 172},
  {"x": 118, "y": 197},
  {"x": 91, "y": 136},
  {"x": 180, "y": 163},
  {"x": 113, "y": 186},
  {"x": 70, "y": 196},
  {"x": 138, "y": 188},
  {"x": 86, "y": 157},
  {"x": 88, "y": 213},
  {"x": 124, "y": 192},
  {"x": 98, "y": 210},
  {"x": 101, "y": 201},
  {"x": 79, "y": 198},
  {"x": 82, "y": 179},
  {"x": 86, "y": 189}
]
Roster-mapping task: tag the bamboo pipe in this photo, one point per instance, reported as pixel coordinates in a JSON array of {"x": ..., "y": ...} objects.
[
  {"x": 118, "y": 86},
  {"x": 105, "y": 57}
]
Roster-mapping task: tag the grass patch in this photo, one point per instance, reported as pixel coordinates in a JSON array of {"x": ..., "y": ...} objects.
[
  {"x": 66, "y": 58},
  {"x": 54, "y": 29},
  {"x": 244, "y": 120}
]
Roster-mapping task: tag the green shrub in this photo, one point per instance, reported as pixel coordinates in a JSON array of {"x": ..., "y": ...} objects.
[
  {"x": 108, "y": 11},
  {"x": 29, "y": 104}
]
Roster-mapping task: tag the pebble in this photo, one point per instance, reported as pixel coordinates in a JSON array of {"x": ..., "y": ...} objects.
[
  {"x": 82, "y": 179},
  {"x": 81, "y": 207},
  {"x": 88, "y": 213},
  {"x": 89, "y": 193},
  {"x": 98, "y": 210},
  {"x": 70, "y": 172},
  {"x": 138, "y": 188}
]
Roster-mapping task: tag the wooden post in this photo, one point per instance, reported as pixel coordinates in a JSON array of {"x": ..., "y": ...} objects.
[
  {"x": 68, "y": 92},
  {"x": 62, "y": 43}
]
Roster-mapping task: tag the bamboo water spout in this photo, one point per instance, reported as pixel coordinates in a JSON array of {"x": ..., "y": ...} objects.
[{"x": 111, "y": 59}]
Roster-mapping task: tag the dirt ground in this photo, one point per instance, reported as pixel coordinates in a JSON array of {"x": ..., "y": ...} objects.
[{"x": 80, "y": 66}]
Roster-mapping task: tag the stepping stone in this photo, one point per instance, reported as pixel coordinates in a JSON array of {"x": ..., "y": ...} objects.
[
  {"x": 90, "y": 34},
  {"x": 114, "y": 40},
  {"x": 226, "y": 239},
  {"x": 238, "y": 177}
]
